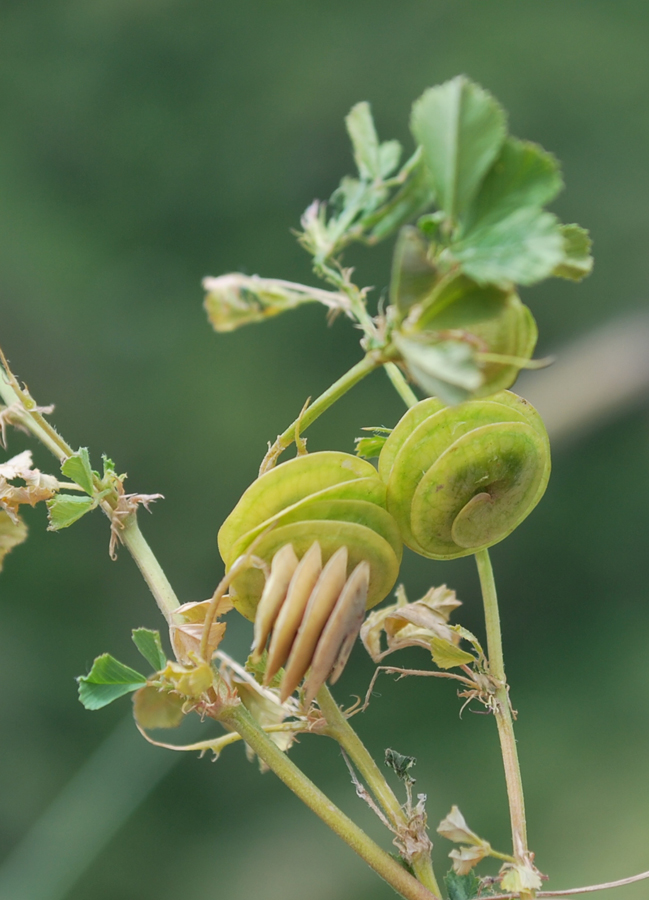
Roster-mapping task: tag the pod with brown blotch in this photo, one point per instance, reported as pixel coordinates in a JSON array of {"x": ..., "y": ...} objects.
[
  {"x": 460, "y": 479},
  {"x": 313, "y": 521}
]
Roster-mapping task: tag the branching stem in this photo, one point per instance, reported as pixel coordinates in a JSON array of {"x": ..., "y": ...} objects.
[
  {"x": 340, "y": 729},
  {"x": 238, "y": 719}
]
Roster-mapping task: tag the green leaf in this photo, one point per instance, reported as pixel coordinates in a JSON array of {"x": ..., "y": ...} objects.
[
  {"x": 577, "y": 261},
  {"x": 413, "y": 274},
  {"x": 389, "y": 156},
  {"x": 523, "y": 175},
  {"x": 412, "y": 198},
  {"x": 361, "y": 130},
  {"x": 64, "y": 510},
  {"x": 107, "y": 680},
  {"x": 462, "y": 887},
  {"x": 153, "y": 708},
  {"x": 12, "y": 533},
  {"x": 523, "y": 248},
  {"x": 446, "y": 655},
  {"x": 77, "y": 468},
  {"x": 461, "y": 129},
  {"x": 150, "y": 646},
  {"x": 446, "y": 369},
  {"x": 400, "y": 765},
  {"x": 370, "y": 447},
  {"x": 257, "y": 668}
]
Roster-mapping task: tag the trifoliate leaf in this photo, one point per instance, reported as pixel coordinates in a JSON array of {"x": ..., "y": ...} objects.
[
  {"x": 107, "y": 680},
  {"x": 150, "y": 646},
  {"x": 577, "y": 261},
  {"x": 461, "y": 129},
  {"x": 361, "y": 130},
  {"x": 523, "y": 248},
  {"x": 153, "y": 708},
  {"x": 523, "y": 175},
  {"x": 77, "y": 468},
  {"x": 64, "y": 510},
  {"x": 462, "y": 887},
  {"x": 413, "y": 274},
  {"x": 13, "y": 532},
  {"x": 447, "y": 655},
  {"x": 400, "y": 765}
]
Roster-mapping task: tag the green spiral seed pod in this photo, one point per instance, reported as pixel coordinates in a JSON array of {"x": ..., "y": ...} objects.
[
  {"x": 460, "y": 479},
  {"x": 332, "y": 550}
]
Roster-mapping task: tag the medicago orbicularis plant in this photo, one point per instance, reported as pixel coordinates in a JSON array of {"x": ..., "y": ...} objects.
[{"x": 317, "y": 540}]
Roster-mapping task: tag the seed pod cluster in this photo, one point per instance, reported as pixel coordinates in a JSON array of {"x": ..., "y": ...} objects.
[
  {"x": 460, "y": 479},
  {"x": 320, "y": 524}
]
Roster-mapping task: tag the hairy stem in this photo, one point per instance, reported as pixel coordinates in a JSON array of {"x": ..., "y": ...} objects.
[
  {"x": 238, "y": 719},
  {"x": 400, "y": 384},
  {"x": 340, "y": 729},
  {"x": 502, "y": 709},
  {"x": 368, "y": 364},
  {"x": 25, "y": 414},
  {"x": 151, "y": 570}
]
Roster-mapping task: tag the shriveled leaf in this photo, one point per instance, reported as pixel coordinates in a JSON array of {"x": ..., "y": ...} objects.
[
  {"x": 150, "y": 646},
  {"x": 400, "y": 765},
  {"x": 77, "y": 468},
  {"x": 13, "y": 532},
  {"x": 361, "y": 130},
  {"x": 523, "y": 175},
  {"x": 410, "y": 624},
  {"x": 64, "y": 510},
  {"x": 36, "y": 488},
  {"x": 577, "y": 261},
  {"x": 517, "y": 878},
  {"x": 154, "y": 708},
  {"x": 186, "y": 631},
  {"x": 461, "y": 129},
  {"x": 413, "y": 274},
  {"x": 454, "y": 828},
  {"x": 191, "y": 681},
  {"x": 445, "y": 369},
  {"x": 447, "y": 655},
  {"x": 107, "y": 680},
  {"x": 523, "y": 248},
  {"x": 465, "y": 858},
  {"x": 462, "y": 887}
]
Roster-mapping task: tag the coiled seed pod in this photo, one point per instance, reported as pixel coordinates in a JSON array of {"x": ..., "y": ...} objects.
[
  {"x": 333, "y": 551},
  {"x": 461, "y": 478}
]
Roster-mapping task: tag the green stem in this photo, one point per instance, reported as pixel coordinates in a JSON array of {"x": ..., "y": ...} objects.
[
  {"x": 340, "y": 729},
  {"x": 238, "y": 719},
  {"x": 400, "y": 384},
  {"x": 30, "y": 418},
  {"x": 368, "y": 364},
  {"x": 502, "y": 709},
  {"x": 151, "y": 570}
]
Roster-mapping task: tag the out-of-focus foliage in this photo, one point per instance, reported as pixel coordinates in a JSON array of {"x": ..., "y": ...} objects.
[{"x": 144, "y": 145}]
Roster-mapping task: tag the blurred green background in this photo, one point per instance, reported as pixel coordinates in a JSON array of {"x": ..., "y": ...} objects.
[{"x": 145, "y": 144}]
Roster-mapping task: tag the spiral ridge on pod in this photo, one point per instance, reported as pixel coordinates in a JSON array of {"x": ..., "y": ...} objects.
[
  {"x": 329, "y": 497},
  {"x": 461, "y": 478}
]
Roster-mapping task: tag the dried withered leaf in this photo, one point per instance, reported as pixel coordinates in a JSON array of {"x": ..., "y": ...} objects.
[
  {"x": 465, "y": 858},
  {"x": 455, "y": 828},
  {"x": 13, "y": 532},
  {"x": 187, "y": 629},
  {"x": 411, "y": 624},
  {"x": 37, "y": 486}
]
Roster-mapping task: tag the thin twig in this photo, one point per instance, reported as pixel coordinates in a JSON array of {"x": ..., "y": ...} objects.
[
  {"x": 580, "y": 890},
  {"x": 403, "y": 673}
]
